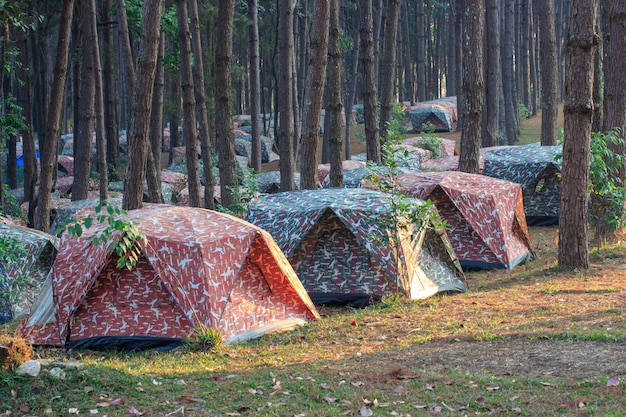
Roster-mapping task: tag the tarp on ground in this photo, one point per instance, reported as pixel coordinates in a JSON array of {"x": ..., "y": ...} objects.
[
  {"x": 537, "y": 170},
  {"x": 336, "y": 240},
  {"x": 485, "y": 215},
  {"x": 198, "y": 268}
]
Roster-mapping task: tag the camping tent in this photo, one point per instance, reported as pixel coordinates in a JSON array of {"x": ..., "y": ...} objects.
[
  {"x": 336, "y": 240},
  {"x": 24, "y": 273},
  {"x": 424, "y": 114},
  {"x": 485, "y": 216},
  {"x": 198, "y": 268},
  {"x": 538, "y": 171}
]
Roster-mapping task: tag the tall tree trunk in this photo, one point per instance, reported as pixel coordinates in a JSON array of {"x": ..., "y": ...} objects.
[
  {"x": 615, "y": 70},
  {"x": 524, "y": 48},
  {"x": 189, "y": 103},
  {"x": 153, "y": 163},
  {"x": 314, "y": 94},
  {"x": 491, "y": 116},
  {"x": 368, "y": 68},
  {"x": 224, "y": 102},
  {"x": 53, "y": 117},
  {"x": 508, "y": 80},
  {"x": 255, "y": 84},
  {"x": 388, "y": 68},
  {"x": 127, "y": 58},
  {"x": 201, "y": 104},
  {"x": 549, "y": 72},
  {"x": 334, "y": 106},
  {"x": 458, "y": 13},
  {"x": 86, "y": 117},
  {"x": 353, "y": 57},
  {"x": 99, "y": 107},
  {"x": 421, "y": 52},
  {"x": 578, "y": 109},
  {"x": 285, "y": 95},
  {"x": 138, "y": 140},
  {"x": 110, "y": 92},
  {"x": 473, "y": 84}
]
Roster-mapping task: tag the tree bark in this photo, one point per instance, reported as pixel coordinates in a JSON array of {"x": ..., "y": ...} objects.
[
  {"x": 190, "y": 134},
  {"x": 334, "y": 106},
  {"x": 285, "y": 95},
  {"x": 314, "y": 94},
  {"x": 53, "y": 117},
  {"x": 127, "y": 57},
  {"x": 473, "y": 85},
  {"x": 508, "y": 80},
  {"x": 368, "y": 67},
  {"x": 86, "y": 117},
  {"x": 351, "y": 88},
  {"x": 578, "y": 110},
  {"x": 421, "y": 52},
  {"x": 153, "y": 163},
  {"x": 615, "y": 70},
  {"x": 201, "y": 104},
  {"x": 223, "y": 102},
  {"x": 110, "y": 93},
  {"x": 490, "y": 125},
  {"x": 255, "y": 84},
  {"x": 388, "y": 65},
  {"x": 549, "y": 72},
  {"x": 140, "y": 109}
]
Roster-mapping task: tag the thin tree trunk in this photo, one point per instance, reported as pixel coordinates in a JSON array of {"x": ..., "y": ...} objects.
[
  {"x": 86, "y": 117},
  {"x": 351, "y": 93},
  {"x": 110, "y": 93},
  {"x": 285, "y": 95},
  {"x": 549, "y": 72},
  {"x": 615, "y": 69},
  {"x": 201, "y": 104},
  {"x": 508, "y": 80},
  {"x": 578, "y": 110},
  {"x": 473, "y": 85},
  {"x": 139, "y": 129},
  {"x": 388, "y": 68},
  {"x": 368, "y": 67},
  {"x": 53, "y": 117},
  {"x": 314, "y": 94},
  {"x": 127, "y": 57},
  {"x": 223, "y": 104},
  {"x": 153, "y": 163},
  {"x": 421, "y": 52},
  {"x": 490, "y": 126},
  {"x": 334, "y": 105},
  {"x": 255, "y": 84}
]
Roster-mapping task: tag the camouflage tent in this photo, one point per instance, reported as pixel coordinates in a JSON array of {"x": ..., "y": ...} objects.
[
  {"x": 198, "y": 268},
  {"x": 23, "y": 273},
  {"x": 536, "y": 169},
  {"x": 336, "y": 241},
  {"x": 485, "y": 216},
  {"x": 422, "y": 115}
]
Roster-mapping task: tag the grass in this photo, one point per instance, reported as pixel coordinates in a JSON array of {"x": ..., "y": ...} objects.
[
  {"x": 534, "y": 341},
  {"x": 397, "y": 358}
]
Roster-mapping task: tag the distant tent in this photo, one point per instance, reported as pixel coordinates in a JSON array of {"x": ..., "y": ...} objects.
[
  {"x": 34, "y": 264},
  {"x": 424, "y": 115},
  {"x": 485, "y": 216},
  {"x": 446, "y": 147},
  {"x": 335, "y": 239},
  {"x": 538, "y": 171},
  {"x": 198, "y": 268}
]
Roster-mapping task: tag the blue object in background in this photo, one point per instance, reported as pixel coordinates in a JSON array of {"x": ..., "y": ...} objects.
[{"x": 20, "y": 160}]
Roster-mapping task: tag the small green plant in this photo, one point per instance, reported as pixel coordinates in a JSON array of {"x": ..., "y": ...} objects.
[
  {"x": 244, "y": 195},
  {"x": 114, "y": 220},
  {"x": 522, "y": 111},
  {"x": 430, "y": 141},
  {"x": 205, "y": 339}
]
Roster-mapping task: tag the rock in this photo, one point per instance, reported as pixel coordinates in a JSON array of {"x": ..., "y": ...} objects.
[
  {"x": 57, "y": 372},
  {"x": 29, "y": 368}
]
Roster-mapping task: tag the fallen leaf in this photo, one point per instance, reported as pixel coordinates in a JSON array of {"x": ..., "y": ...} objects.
[
  {"x": 613, "y": 382},
  {"x": 493, "y": 388},
  {"x": 93, "y": 411},
  {"x": 357, "y": 384},
  {"x": 188, "y": 399},
  {"x": 155, "y": 382},
  {"x": 87, "y": 389},
  {"x": 325, "y": 385},
  {"x": 581, "y": 404},
  {"x": 252, "y": 391},
  {"x": 448, "y": 407},
  {"x": 103, "y": 404},
  {"x": 73, "y": 411},
  {"x": 400, "y": 390},
  {"x": 546, "y": 384},
  {"x": 118, "y": 401},
  {"x": 244, "y": 408},
  {"x": 366, "y": 412},
  {"x": 329, "y": 399},
  {"x": 420, "y": 406},
  {"x": 181, "y": 382},
  {"x": 353, "y": 323},
  {"x": 134, "y": 411},
  {"x": 437, "y": 409},
  {"x": 431, "y": 387}
]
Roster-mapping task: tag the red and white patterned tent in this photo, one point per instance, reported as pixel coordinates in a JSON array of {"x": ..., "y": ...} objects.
[
  {"x": 199, "y": 268},
  {"x": 487, "y": 225}
]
